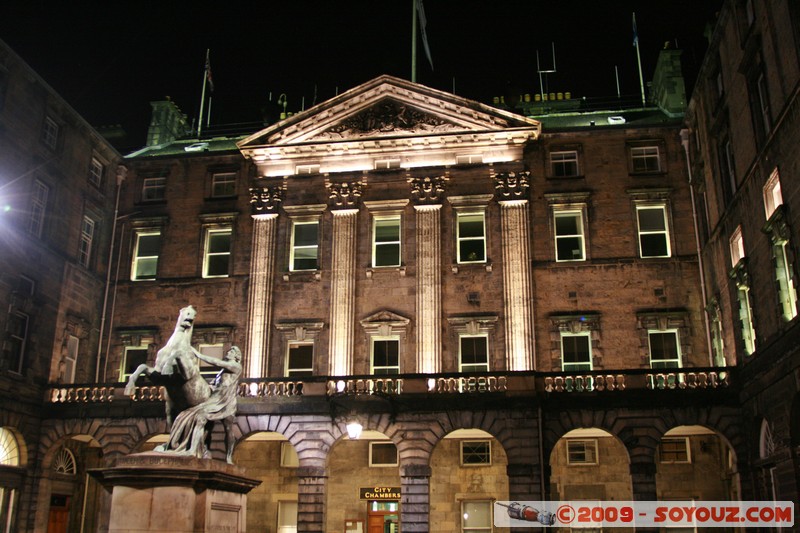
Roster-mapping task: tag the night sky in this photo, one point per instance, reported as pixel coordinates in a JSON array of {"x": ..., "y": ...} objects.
[{"x": 109, "y": 61}]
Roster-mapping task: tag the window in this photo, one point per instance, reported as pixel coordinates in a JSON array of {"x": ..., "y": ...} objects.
[
  {"x": 305, "y": 245},
  {"x": 576, "y": 351},
  {"x": 300, "y": 360},
  {"x": 469, "y": 159},
  {"x": 134, "y": 356},
  {"x": 208, "y": 371},
  {"x": 674, "y": 450},
  {"x": 773, "y": 197},
  {"x": 385, "y": 356},
  {"x": 653, "y": 232},
  {"x": 386, "y": 241},
  {"x": 287, "y": 517},
  {"x": 564, "y": 164},
  {"x": 306, "y": 169},
  {"x": 737, "y": 246},
  {"x": 476, "y": 516},
  {"x": 383, "y": 164},
  {"x": 9, "y": 449},
  {"x": 223, "y": 184},
  {"x": 38, "y": 208},
  {"x": 762, "y": 101},
  {"x": 87, "y": 237},
  {"x": 17, "y": 328},
  {"x": 289, "y": 458},
  {"x": 216, "y": 259},
  {"x": 154, "y": 189},
  {"x": 645, "y": 159},
  {"x": 471, "y": 237},
  {"x": 50, "y": 133},
  {"x": 145, "y": 255},
  {"x": 746, "y": 319},
  {"x": 71, "y": 359},
  {"x": 582, "y": 452},
  {"x": 96, "y": 171},
  {"x": 664, "y": 349},
  {"x": 476, "y": 452},
  {"x": 569, "y": 235},
  {"x": 382, "y": 454},
  {"x": 473, "y": 353},
  {"x": 784, "y": 276},
  {"x": 727, "y": 169}
]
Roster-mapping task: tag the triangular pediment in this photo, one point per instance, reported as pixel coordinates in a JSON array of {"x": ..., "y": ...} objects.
[
  {"x": 384, "y": 316},
  {"x": 387, "y": 107}
]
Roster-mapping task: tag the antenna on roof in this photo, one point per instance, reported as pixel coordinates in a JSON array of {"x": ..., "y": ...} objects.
[{"x": 540, "y": 71}]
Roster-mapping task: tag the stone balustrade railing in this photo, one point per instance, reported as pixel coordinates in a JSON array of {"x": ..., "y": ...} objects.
[{"x": 439, "y": 384}]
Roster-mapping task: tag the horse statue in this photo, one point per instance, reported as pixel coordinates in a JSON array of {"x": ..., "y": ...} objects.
[{"x": 176, "y": 369}]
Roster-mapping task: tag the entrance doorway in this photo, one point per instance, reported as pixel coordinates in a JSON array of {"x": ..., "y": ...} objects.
[
  {"x": 383, "y": 517},
  {"x": 59, "y": 514}
]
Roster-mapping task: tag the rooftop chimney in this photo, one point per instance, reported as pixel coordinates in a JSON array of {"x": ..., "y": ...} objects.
[
  {"x": 166, "y": 124},
  {"x": 668, "y": 91}
]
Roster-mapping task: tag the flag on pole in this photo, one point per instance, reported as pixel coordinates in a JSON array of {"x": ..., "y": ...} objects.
[
  {"x": 635, "y": 32},
  {"x": 422, "y": 23},
  {"x": 209, "y": 79}
]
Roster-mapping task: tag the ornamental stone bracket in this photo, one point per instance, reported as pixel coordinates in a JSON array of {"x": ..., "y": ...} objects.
[
  {"x": 428, "y": 190},
  {"x": 777, "y": 227},
  {"x": 267, "y": 199},
  {"x": 739, "y": 273},
  {"x": 345, "y": 195},
  {"x": 512, "y": 185}
]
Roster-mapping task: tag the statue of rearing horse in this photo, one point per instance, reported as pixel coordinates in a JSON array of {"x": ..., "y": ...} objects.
[{"x": 176, "y": 369}]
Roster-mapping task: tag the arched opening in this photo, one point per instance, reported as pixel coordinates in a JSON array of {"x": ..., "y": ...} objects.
[
  {"x": 695, "y": 463},
  {"x": 13, "y": 459},
  {"x": 363, "y": 485},
  {"x": 271, "y": 458},
  {"x": 469, "y": 471},
  {"x": 151, "y": 442},
  {"x": 590, "y": 464},
  {"x": 74, "y": 500}
]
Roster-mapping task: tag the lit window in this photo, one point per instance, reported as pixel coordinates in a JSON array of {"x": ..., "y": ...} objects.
[
  {"x": 289, "y": 458},
  {"x": 476, "y": 516},
  {"x": 17, "y": 328},
  {"x": 307, "y": 169},
  {"x": 96, "y": 171},
  {"x": 569, "y": 235},
  {"x": 664, "y": 349},
  {"x": 476, "y": 452},
  {"x": 85, "y": 246},
  {"x": 287, "y": 517},
  {"x": 385, "y": 355},
  {"x": 674, "y": 450},
  {"x": 582, "y": 452},
  {"x": 737, "y": 246},
  {"x": 305, "y": 245},
  {"x": 564, "y": 164},
  {"x": 217, "y": 350},
  {"x": 576, "y": 351},
  {"x": 653, "y": 232},
  {"x": 382, "y": 454},
  {"x": 64, "y": 462},
  {"x": 645, "y": 159},
  {"x": 154, "y": 189},
  {"x": 134, "y": 356},
  {"x": 386, "y": 241},
  {"x": 473, "y": 353},
  {"x": 216, "y": 259},
  {"x": 785, "y": 278},
  {"x": 773, "y": 197},
  {"x": 50, "y": 133},
  {"x": 300, "y": 360},
  {"x": 471, "y": 237},
  {"x": 71, "y": 359},
  {"x": 746, "y": 319},
  {"x": 145, "y": 255},
  {"x": 383, "y": 164},
  {"x": 9, "y": 449},
  {"x": 223, "y": 185},
  {"x": 38, "y": 208}
]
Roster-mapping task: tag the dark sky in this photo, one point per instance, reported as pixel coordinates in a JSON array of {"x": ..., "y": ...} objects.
[{"x": 110, "y": 59}]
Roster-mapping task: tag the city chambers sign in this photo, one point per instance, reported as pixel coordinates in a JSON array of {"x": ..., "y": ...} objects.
[{"x": 379, "y": 493}]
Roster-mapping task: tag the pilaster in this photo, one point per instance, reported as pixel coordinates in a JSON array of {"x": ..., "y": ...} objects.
[
  {"x": 311, "y": 486},
  {"x": 415, "y": 500}
]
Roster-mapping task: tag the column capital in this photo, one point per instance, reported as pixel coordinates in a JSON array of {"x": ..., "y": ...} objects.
[
  {"x": 512, "y": 185},
  {"x": 345, "y": 195},
  {"x": 266, "y": 199},
  {"x": 428, "y": 190}
]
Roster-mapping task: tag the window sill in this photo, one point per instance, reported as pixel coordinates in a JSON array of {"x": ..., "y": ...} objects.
[
  {"x": 470, "y": 266},
  {"x": 399, "y": 269},
  {"x": 559, "y": 178},
  {"x": 647, "y": 173},
  {"x": 303, "y": 275}
]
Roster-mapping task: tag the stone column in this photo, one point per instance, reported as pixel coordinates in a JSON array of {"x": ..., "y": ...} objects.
[
  {"x": 415, "y": 499},
  {"x": 511, "y": 193},
  {"x": 643, "y": 481},
  {"x": 427, "y": 193},
  {"x": 311, "y": 486},
  {"x": 524, "y": 482},
  {"x": 344, "y": 205},
  {"x": 264, "y": 203}
]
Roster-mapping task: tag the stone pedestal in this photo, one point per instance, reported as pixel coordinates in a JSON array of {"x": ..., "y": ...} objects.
[{"x": 157, "y": 492}]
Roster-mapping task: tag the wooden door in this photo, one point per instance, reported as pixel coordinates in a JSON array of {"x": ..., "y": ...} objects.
[{"x": 59, "y": 514}]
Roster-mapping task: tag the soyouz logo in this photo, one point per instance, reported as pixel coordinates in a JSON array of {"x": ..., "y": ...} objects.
[{"x": 595, "y": 514}]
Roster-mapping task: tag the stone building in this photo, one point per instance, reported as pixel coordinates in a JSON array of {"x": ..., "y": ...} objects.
[
  {"x": 507, "y": 305},
  {"x": 742, "y": 139},
  {"x": 58, "y": 179}
]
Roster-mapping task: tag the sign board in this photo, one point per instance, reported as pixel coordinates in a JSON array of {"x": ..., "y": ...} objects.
[{"x": 379, "y": 493}]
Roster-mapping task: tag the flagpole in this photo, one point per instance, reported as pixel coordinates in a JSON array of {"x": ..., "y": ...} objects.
[
  {"x": 638, "y": 58},
  {"x": 203, "y": 95},
  {"x": 414, "y": 41}
]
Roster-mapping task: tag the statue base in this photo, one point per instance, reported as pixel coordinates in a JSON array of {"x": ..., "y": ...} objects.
[{"x": 161, "y": 492}]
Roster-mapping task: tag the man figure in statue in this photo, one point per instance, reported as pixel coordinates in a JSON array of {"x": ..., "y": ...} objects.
[{"x": 191, "y": 429}]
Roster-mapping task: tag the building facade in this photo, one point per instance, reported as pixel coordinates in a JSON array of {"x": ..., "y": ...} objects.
[{"x": 743, "y": 130}]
